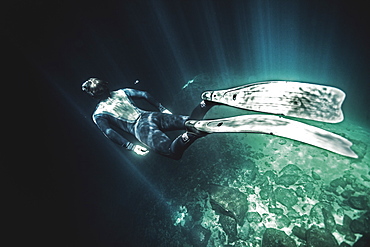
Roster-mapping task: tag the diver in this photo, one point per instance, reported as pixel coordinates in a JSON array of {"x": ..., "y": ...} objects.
[{"x": 116, "y": 112}]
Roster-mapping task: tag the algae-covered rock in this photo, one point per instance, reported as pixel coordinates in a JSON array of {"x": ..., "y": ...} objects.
[
  {"x": 273, "y": 237},
  {"x": 265, "y": 192},
  {"x": 244, "y": 231},
  {"x": 254, "y": 217},
  {"x": 357, "y": 202},
  {"x": 250, "y": 171},
  {"x": 329, "y": 220},
  {"x": 270, "y": 175},
  {"x": 363, "y": 241},
  {"x": 277, "y": 211},
  {"x": 287, "y": 197},
  {"x": 347, "y": 193},
  {"x": 199, "y": 236},
  {"x": 338, "y": 182},
  {"x": 317, "y": 214},
  {"x": 300, "y": 232},
  {"x": 320, "y": 237},
  {"x": 309, "y": 188},
  {"x": 287, "y": 179},
  {"x": 291, "y": 170},
  {"x": 344, "y": 244},
  {"x": 282, "y": 221},
  {"x": 361, "y": 225},
  {"x": 315, "y": 176},
  {"x": 300, "y": 192},
  {"x": 229, "y": 201},
  {"x": 229, "y": 226}
]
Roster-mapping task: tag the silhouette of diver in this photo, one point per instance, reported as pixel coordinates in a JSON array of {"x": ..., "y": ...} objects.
[{"x": 117, "y": 112}]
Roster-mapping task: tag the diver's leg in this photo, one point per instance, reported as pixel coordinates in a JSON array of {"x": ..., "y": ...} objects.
[
  {"x": 169, "y": 122},
  {"x": 181, "y": 143},
  {"x": 148, "y": 131}
]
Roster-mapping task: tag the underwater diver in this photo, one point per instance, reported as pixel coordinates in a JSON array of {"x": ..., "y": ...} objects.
[{"x": 117, "y": 112}]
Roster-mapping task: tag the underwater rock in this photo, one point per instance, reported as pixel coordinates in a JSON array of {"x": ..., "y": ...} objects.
[
  {"x": 262, "y": 181},
  {"x": 282, "y": 221},
  {"x": 317, "y": 214},
  {"x": 199, "y": 236},
  {"x": 229, "y": 201},
  {"x": 229, "y": 226},
  {"x": 270, "y": 175},
  {"x": 254, "y": 217},
  {"x": 338, "y": 182},
  {"x": 196, "y": 212},
  {"x": 345, "y": 228},
  {"x": 347, "y": 193},
  {"x": 359, "y": 187},
  {"x": 350, "y": 237},
  {"x": 344, "y": 244},
  {"x": 291, "y": 170},
  {"x": 355, "y": 183},
  {"x": 310, "y": 189},
  {"x": 287, "y": 179},
  {"x": 287, "y": 197},
  {"x": 300, "y": 232},
  {"x": 330, "y": 189},
  {"x": 289, "y": 175},
  {"x": 361, "y": 225},
  {"x": 305, "y": 179},
  {"x": 273, "y": 237},
  {"x": 250, "y": 171},
  {"x": 357, "y": 202},
  {"x": 329, "y": 220},
  {"x": 360, "y": 148},
  {"x": 300, "y": 192},
  {"x": 365, "y": 178},
  {"x": 277, "y": 211},
  {"x": 244, "y": 231},
  {"x": 315, "y": 176},
  {"x": 363, "y": 241},
  {"x": 326, "y": 197},
  {"x": 320, "y": 237},
  {"x": 265, "y": 192},
  {"x": 240, "y": 244},
  {"x": 293, "y": 213}
]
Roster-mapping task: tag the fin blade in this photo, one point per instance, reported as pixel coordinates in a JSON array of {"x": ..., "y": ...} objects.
[
  {"x": 278, "y": 126},
  {"x": 294, "y": 99}
]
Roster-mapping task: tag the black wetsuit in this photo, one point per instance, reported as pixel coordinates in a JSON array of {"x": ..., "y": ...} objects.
[{"x": 119, "y": 112}]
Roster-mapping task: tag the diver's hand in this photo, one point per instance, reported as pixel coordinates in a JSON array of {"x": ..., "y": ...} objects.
[
  {"x": 164, "y": 109},
  {"x": 167, "y": 111},
  {"x": 140, "y": 150}
]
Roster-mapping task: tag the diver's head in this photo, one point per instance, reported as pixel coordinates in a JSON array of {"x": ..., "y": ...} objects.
[{"x": 96, "y": 88}]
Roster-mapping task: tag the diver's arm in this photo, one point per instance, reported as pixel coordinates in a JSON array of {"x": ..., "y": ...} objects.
[
  {"x": 145, "y": 95},
  {"x": 104, "y": 126}
]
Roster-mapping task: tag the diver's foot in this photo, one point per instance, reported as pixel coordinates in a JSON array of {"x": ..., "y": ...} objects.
[
  {"x": 189, "y": 125},
  {"x": 201, "y": 109}
]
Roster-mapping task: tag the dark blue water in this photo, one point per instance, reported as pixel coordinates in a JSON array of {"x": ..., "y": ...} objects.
[{"x": 81, "y": 190}]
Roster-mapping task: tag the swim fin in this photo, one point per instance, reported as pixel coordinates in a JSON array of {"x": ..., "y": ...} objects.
[
  {"x": 278, "y": 126},
  {"x": 286, "y": 98}
]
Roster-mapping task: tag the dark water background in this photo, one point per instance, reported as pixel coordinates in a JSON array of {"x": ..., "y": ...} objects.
[{"x": 76, "y": 188}]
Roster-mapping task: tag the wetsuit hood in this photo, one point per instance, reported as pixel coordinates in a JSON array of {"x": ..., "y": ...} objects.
[{"x": 96, "y": 88}]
